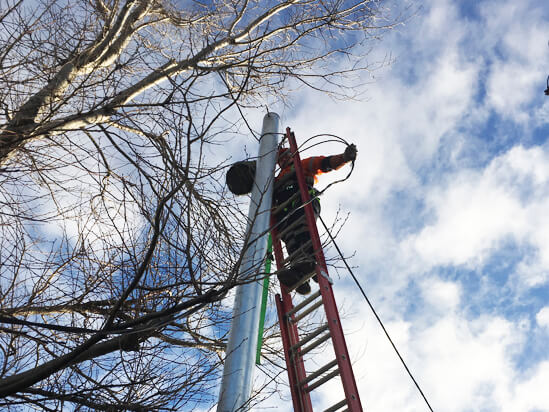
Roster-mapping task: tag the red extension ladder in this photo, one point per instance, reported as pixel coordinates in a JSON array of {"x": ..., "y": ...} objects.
[{"x": 296, "y": 347}]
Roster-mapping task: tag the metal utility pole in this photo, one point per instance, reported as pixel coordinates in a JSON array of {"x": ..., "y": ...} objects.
[{"x": 236, "y": 385}]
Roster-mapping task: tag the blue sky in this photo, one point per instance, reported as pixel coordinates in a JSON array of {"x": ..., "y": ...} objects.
[{"x": 448, "y": 206}]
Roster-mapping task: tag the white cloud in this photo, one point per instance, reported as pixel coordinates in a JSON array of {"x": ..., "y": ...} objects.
[
  {"x": 479, "y": 210},
  {"x": 531, "y": 272},
  {"x": 472, "y": 215},
  {"x": 466, "y": 363},
  {"x": 510, "y": 86},
  {"x": 441, "y": 295},
  {"x": 517, "y": 34},
  {"x": 460, "y": 363},
  {"x": 531, "y": 394},
  {"x": 542, "y": 317}
]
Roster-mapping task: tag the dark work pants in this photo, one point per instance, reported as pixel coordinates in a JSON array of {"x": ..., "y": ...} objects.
[{"x": 297, "y": 239}]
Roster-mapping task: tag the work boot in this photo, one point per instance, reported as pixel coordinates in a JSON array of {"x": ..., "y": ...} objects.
[
  {"x": 304, "y": 289},
  {"x": 306, "y": 268},
  {"x": 288, "y": 277}
]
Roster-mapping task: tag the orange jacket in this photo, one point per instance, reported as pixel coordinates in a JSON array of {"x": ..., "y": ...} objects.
[
  {"x": 314, "y": 166},
  {"x": 311, "y": 167}
]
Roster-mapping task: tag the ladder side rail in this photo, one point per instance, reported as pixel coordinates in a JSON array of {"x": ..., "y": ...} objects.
[
  {"x": 284, "y": 332},
  {"x": 340, "y": 347},
  {"x": 290, "y": 336}
]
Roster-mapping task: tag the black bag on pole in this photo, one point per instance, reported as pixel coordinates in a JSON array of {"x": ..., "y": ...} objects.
[{"x": 240, "y": 177}]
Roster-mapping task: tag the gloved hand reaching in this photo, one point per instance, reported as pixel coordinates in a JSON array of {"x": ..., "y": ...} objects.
[{"x": 350, "y": 153}]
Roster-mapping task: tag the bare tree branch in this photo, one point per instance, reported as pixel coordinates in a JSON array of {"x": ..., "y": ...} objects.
[{"x": 118, "y": 239}]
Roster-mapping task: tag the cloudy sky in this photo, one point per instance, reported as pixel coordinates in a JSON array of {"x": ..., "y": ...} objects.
[{"x": 448, "y": 203}]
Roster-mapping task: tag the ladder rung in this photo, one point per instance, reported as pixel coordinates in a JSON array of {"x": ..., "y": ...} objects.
[
  {"x": 299, "y": 283},
  {"x": 322, "y": 381},
  {"x": 304, "y": 303},
  {"x": 301, "y": 249},
  {"x": 319, "y": 372},
  {"x": 281, "y": 206},
  {"x": 308, "y": 311},
  {"x": 289, "y": 228},
  {"x": 337, "y": 406},
  {"x": 315, "y": 344},
  {"x": 309, "y": 337}
]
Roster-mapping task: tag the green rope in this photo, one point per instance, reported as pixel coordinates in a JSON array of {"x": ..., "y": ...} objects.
[{"x": 264, "y": 300}]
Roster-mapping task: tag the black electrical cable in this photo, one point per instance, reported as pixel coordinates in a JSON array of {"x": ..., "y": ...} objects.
[
  {"x": 376, "y": 315},
  {"x": 337, "y": 139}
]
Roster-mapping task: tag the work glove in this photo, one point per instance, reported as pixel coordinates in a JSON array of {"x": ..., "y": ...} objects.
[{"x": 350, "y": 153}]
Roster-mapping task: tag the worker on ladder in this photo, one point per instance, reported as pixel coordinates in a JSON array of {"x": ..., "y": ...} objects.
[{"x": 290, "y": 215}]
